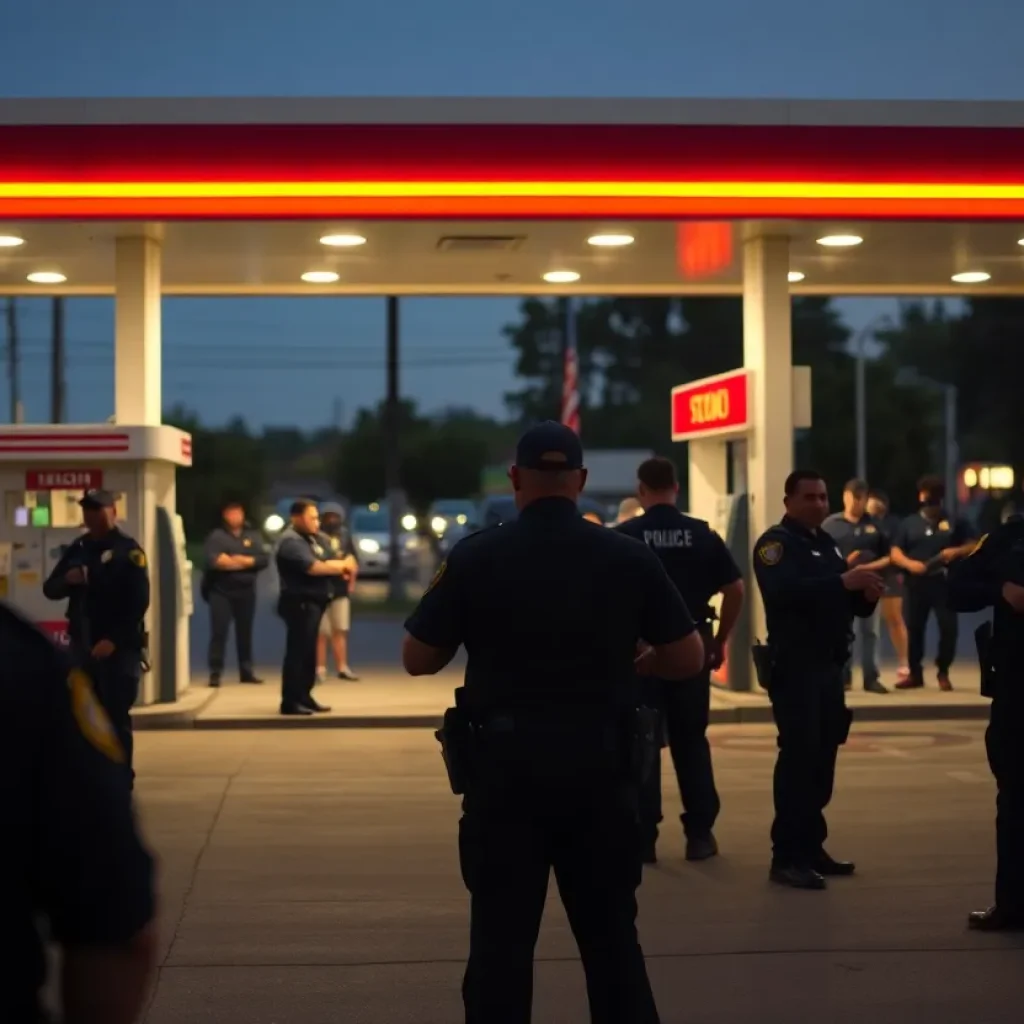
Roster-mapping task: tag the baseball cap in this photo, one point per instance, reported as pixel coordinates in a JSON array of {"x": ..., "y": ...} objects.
[
  {"x": 97, "y": 499},
  {"x": 549, "y": 446}
]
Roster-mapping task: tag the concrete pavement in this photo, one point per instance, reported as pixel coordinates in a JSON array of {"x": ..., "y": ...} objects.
[{"x": 314, "y": 879}]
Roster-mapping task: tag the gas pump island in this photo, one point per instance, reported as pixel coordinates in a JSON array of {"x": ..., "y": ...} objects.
[
  {"x": 716, "y": 417},
  {"x": 44, "y": 471}
]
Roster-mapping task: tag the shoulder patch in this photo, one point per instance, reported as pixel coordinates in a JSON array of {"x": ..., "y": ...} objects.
[
  {"x": 977, "y": 547},
  {"x": 92, "y": 720},
  {"x": 437, "y": 576},
  {"x": 137, "y": 558},
  {"x": 870, "y": 529},
  {"x": 770, "y": 553}
]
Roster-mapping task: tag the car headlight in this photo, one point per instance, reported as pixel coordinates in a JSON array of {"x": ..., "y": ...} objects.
[
  {"x": 273, "y": 524},
  {"x": 461, "y": 520},
  {"x": 369, "y": 546},
  {"x": 439, "y": 524},
  {"x": 408, "y": 522}
]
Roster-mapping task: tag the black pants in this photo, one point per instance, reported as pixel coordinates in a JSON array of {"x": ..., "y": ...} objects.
[
  {"x": 240, "y": 607},
  {"x": 302, "y": 624},
  {"x": 920, "y": 598},
  {"x": 684, "y": 708},
  {"x": 508, "y": 844},
  {"x": 809, "y": 708},
  {"x": 116, "y": 680},
  {"x": 1004, "y": 742}
]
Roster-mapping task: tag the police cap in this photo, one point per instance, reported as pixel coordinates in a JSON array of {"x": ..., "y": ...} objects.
[
  {"x": 549, "y": 446},
  {"x": 97, "y": 499}
]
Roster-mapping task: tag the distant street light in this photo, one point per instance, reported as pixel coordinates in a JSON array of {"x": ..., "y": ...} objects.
[
  {"x": 909, "y": 377},
  {"x": 860, "y": 403}
]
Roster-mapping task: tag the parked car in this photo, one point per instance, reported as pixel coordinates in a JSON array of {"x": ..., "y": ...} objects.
[
  {"x": 371, "y": 538},
  {"x": 449, "y": 512}
]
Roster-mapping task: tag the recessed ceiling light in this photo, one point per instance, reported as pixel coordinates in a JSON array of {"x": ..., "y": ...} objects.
[
  {"x": 795, "y": 275},
  {"x": 561, "y": 276},
  {"x": 10, "y": 241},
  {"x": 320, "y": 277},
  {"x": 972, "y": 277},
  {"x": 343, "y": 241},
  {"x": 47, "y": 277},
  {"x": 610, "y": 241},
  {"x": 840, "y": 241}
]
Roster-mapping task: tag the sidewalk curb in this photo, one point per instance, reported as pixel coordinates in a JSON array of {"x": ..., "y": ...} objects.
[
  {"x": 719, "y": 716},
  {"x": 174, "y": 718}
]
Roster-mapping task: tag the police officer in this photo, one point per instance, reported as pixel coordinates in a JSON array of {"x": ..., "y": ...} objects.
[
  {"x": 103, "y": 577},
  {"x": 550, "y": 611},
  {"x": 306, "y": 573},
  {"x": 235, "y": 555},
  {"x": 700, "y": 565},
  {"x": 924, "y": 545},
  {"x": 861, "y": 541},
  {"x": 810, "y": 597},
  {"x": 993, "y": 577},
  {"x": 71, "y": 858}
]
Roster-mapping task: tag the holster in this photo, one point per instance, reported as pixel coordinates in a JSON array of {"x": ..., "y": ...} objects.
[
  {"x": 764, "y": 663},
  {"x": 983, "y": 643},
  {"x": 457, "y": 740}
]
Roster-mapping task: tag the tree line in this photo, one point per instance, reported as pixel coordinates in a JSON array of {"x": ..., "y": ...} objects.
[{"x": 631, "y": 351}]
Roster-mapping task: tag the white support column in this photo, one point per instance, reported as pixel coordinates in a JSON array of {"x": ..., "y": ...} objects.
[
  {"x": 768, "y": 352},
  {"x": 138, "y": 395}
]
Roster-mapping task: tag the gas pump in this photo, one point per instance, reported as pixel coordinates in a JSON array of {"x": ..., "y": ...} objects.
[
  {"x": 44, "y": 471},
  {"x": 715, "y": 417}
]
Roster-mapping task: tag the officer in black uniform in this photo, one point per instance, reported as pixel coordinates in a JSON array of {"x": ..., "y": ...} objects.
[
  {"x": 993, "y": 577},
  {"x": 71, "y": 858},
  {"x": 235, "y": 555},
  {"x": 306, "y": 572},
  {"x": 861, "y": 541},
  {"x": 104, "y": 578},
  {"x": 550, "y": 609},
  {"x": 810, "y": 599},
  {"x": 700, "y": 565},
  {"x": 924, "y": 545}
]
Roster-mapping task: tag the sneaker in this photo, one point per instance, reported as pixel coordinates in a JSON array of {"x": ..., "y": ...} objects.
[
  {"x": 875, "y": 686},
  {"x": 321, "y": 675},
  {"x": 348, "y": 675},
  {"x": 910, "y": 683},
  {"x": 944, "y": 684},
  {"x": 903, "y": 672}
]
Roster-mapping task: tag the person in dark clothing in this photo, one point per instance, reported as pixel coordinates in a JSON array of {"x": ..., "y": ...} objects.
[
  {"x": 235, "y": 555},
  {"x": 306, "y": 572},
  {"x": 551, "y": 697},
  {"x": 993, "y": 577},
  {"x": 925, "y": 544},
  {"x": 71, "y": 857},
  {"x": 700, "y": 566},
  {"x": 103, "y": 576},
  {"x": 861, "y": 541},
  {"x": 810, "y": 598}
]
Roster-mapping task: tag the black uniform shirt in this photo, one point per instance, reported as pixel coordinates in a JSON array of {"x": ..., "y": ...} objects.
[
  {"x": 808, "y": 609},
  {"x": 222, "y": 541},
  {"x": 338, "y": 545},
  {"x": 112, "y": 602},
  {"x": 695, "y": 557},
  {"x": 296, "y": 552},
  {"x": 922, "y": 539},
  {"x": 864, "y": 536},
  {"x": 70, "y": 852},
  {"x": 976, "y": 582},
  {"x": 550, "y": 608}
]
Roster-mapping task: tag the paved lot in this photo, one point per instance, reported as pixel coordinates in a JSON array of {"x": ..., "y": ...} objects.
[{"x": 313, "y": 879}]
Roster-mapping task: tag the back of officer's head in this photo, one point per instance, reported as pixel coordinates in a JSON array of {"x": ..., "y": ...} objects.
[
  {"x": 931, "y": 491},
  {"x": 806, "y": 497},
  {"x": 549, "y": 464},
  {"x": 656, "y": 481}
]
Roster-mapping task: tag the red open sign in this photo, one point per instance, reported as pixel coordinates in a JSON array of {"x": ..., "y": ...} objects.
[{"x": 712, "y": 406}]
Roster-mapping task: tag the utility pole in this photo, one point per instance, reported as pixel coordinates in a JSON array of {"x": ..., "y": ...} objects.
[
  {"x": 58, "y": 389},
  {"x": 13, "y": 360},
  {"x": 393, "y": 456}
]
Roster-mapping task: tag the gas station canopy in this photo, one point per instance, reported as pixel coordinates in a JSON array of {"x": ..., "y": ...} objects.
[{"x": 490, "y": 196}]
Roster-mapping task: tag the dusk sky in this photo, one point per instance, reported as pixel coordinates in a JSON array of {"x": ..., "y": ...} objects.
[{"x": 225, "y": 357}]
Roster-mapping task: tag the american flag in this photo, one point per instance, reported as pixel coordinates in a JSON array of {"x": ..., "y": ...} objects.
[{"x": 570, "y": 372}]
